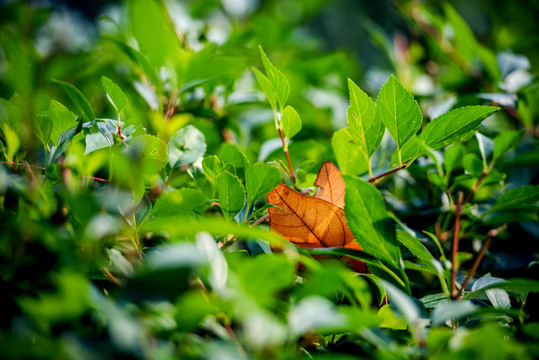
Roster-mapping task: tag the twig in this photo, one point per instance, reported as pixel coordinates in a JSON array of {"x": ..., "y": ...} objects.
[
  {"x": 373, "y": 179},
  {"x": 456, "y": 247},
  {"x": 42, "y": 168},
  {"x": 492, "y": 233},
  {"x": 476, "y": 186},
  {"x": 111, "y": 277},
  {"x": 261, "y": 220},
  {"x": 285, "y": 148}
]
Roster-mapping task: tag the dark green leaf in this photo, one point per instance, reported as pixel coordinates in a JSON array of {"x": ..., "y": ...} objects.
[
  {"x": 261, "y": 179},
  {"x": 78, "y": 98},
  {"x": 524, "y": 197},
  {"x": 505, "y": 141},
  {"x": 231, "y": 194}
]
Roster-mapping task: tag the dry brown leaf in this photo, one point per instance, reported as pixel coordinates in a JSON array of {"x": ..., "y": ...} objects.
[
  {"x": 330, "y": 184},
  {"x": 314, "y": 222}
]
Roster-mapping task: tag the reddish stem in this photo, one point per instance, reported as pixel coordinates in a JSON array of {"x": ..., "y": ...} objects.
[
  {"x": 374, "y": 178},
  {"x": 287, "y": 157},
  {"x": 111, "y": 277},
  {"x": 458, "y": 211},
  {"x": 476, "y": 186},
  {"x": 477, "y": 262},
  {"x": 261, "y": 220}
]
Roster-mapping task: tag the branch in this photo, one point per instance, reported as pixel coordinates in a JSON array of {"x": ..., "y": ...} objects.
[
  {"x": 476, "y": 186},
  {"x": 492, "y": 233},
  {"x": 261, "y": 220},
  {"x": 458, "y": 211},
  {"x": 373, "y": 179},
  {"x": 285, "y": 148}
]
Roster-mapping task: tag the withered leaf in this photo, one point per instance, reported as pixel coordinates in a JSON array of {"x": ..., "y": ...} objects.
[
  {"x": 330, "y": 184},
  {"x": 314, "y": 222}
]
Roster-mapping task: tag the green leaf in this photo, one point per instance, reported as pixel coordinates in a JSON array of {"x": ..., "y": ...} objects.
[
  {"x": 260, "y": 179},
  {"x": 230, "y": 154},
  {"x": 453, "y": 310},
  {"x": 409, "y": 307},
  {"x": 371, "y": 224},
  {"x": 186, "y": 146},
  {"x": 520, "y": 285},
  {"x": 416, "y": 247},
  {"x": 115, "y": 94},
  {"x": 523, "y": 197},
  {"x": 350, "y": 159},
  {"x": 365, "y": 122},
  {"x": 452, "y": 125},
  {"x": 62, "y": 119},
  {"x": 498, "y": 297},
  {"x": 179, "y": 202},
  {"x": 505, "y": 141},
  {"x": 399, "y": 111},
  {"x": 154, "y": 154},
  {"x": 278, "y": 81},
  {"x": 231, "y": 194},
  {"x": 389, "y": 320},
  {"x": 453, "y": 158},
  {"x": 473, "y": 164},
  {"x": 291, "y": 122},
  {"x": 267, "y": 88},
  {"x": 78, "y": 98},
  {"x": 212, "y": 167},
  {"x": 63, "y": 142}
]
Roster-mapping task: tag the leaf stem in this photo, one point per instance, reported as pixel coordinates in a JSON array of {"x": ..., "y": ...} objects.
[
  {"x": 373, "y": 179},
  {"x": 261, "y": 220},
  {"x": 122, "y": 136},
  {"x": 458, "y": 211},
  {"x": 285, "y": 148}
]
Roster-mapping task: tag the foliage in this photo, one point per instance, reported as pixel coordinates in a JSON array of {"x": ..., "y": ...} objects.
[{"x": 139, "y": 167}]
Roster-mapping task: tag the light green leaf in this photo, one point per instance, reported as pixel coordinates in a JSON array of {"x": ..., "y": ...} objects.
[
  {"x": 505, "y": 141},
  {"x": 350, "y": 159},
  {"x": 78, "y": 98},
  {"x": 521, "y": 198},
  {"x": 452, "y": 125},
  {"x": 277, "y": 80},
  {"x": 267, "y": 88},
  {"x": 62, "y": 119},
  {"x": 399, "y": 111},
  {"x": 291, "y": 122},
  {"x": 473, "y": 164},
  {"x": 453, "y": 310},
  {"x": 389, "y": 320},
  {"x": 115, "y": 94},
  {"x": 186, "y": 146},
  {"x": 230, "y": 154},
  {"x": 231, "y": 194},
  {"x": 260, "y": 179},
  {"x": 365, "y": 122},
  {"x": 212, "y": 167},
  {"x": 154, "y": 154}
]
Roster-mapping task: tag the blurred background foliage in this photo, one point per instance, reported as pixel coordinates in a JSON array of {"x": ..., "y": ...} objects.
[{"x": 190, "y": 63}]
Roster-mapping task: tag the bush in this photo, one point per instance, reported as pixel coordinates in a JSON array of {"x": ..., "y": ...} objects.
[{"x": 167, "y": 187}]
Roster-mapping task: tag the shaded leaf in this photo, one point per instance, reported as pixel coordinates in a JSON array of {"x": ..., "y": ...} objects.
[
  {"x": 523, "y": 197},
  {"x": 505, "y": 141},
  {"x": 78, "y": 98},
  {"x": 453, "y": 310}
]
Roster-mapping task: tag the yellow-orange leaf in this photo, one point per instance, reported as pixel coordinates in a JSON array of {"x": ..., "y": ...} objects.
[
  {"x": 318, "y": 221},
  {"x": 331, "y": 185}
]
